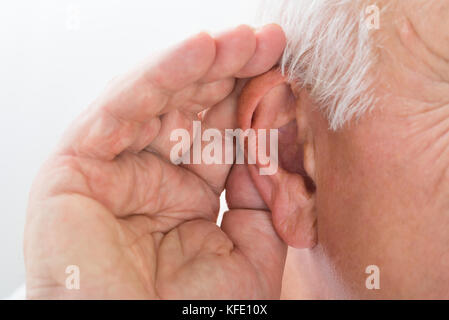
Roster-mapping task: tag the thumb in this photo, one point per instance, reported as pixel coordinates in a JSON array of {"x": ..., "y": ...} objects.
[{"x": 255, "y": 239}]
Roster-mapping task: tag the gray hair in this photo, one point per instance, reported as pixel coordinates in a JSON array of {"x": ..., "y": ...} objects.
[{"x": 329, "y": 51}]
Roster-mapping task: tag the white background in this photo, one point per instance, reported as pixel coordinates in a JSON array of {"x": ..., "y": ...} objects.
[{"x": 55, "y": 58}]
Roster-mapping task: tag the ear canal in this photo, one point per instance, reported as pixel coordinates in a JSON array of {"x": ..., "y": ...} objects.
[{"x": 267, "y": 102}]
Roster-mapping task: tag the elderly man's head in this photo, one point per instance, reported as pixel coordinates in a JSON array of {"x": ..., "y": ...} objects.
[{"x": 372, "y": 114}]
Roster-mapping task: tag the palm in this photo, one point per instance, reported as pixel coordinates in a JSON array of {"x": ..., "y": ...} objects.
[
  {"x": 193, "y": 258},
  {"x": 135, "y": 224}
]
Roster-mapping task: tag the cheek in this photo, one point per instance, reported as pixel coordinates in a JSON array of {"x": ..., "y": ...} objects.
[
  {"x": 377, "y": 204},
  {"x": 341, "y": 253},
  {"x": 353, "y": 227},
  {"x": 371, "y": 211},
  {"x": 342, "y": 225}
]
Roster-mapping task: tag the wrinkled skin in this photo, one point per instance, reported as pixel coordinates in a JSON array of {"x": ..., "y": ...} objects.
[
  {"x": 382, "y": 182},
  {"x": 110, "y": 201},
  {"x": 374, "y": 192}
]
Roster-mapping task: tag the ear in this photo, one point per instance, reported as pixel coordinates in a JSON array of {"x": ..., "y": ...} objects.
[{"x": 268, "y": 102}]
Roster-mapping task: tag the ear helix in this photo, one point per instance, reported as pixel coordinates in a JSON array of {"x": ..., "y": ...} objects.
[{"x": 253, "y": 93}]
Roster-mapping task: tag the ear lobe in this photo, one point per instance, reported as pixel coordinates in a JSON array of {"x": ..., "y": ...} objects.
[
  {"x": 268, "y": 102},
  {"x": 291, "y": 206}
]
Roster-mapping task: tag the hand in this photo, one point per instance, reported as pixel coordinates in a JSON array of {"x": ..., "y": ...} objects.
[{"x": 110, "y": 201}]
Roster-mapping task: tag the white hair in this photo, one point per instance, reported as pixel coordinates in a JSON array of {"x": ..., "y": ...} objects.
[{"x": 329, "y": 51}]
